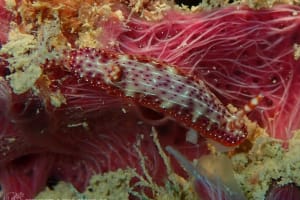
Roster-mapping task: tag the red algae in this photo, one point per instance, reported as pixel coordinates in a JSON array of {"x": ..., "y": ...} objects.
[
  {"x": 284, "y": 192},
  {"x": 59, "y": 127},
  {"x": 238, "y": 52},
  {"x": 5, "y": 19}
]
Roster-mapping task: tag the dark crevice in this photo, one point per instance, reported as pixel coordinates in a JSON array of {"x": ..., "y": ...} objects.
[
  {"x": 52, "y": 182},
  {"x": 191, "y": 3},
  {"x": 188, "y": 3}
]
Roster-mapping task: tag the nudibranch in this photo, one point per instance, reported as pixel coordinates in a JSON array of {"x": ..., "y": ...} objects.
[{"x": 163, "y": 88}]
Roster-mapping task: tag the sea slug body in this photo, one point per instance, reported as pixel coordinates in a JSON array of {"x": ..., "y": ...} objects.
[{"x": 161, "y": 87}]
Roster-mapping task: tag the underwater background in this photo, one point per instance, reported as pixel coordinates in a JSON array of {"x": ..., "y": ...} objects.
[{"x": 149, "y": 99}]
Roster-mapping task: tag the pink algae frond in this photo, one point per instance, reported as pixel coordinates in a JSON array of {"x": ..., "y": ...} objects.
[
  {"x": 15, "y": 175},
  {"x": 237, "y": 51},
  {"x": 289, "y": 191},
  {"x": 5, "y": 96},
  {"x": 80, "y": 96}
]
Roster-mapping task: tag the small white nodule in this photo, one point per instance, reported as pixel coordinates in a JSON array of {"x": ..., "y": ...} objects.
[{"x": 191, "y": 136}]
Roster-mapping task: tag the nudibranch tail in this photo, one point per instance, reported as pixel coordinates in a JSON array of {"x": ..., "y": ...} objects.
[{"x": 158, "y": 86}]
